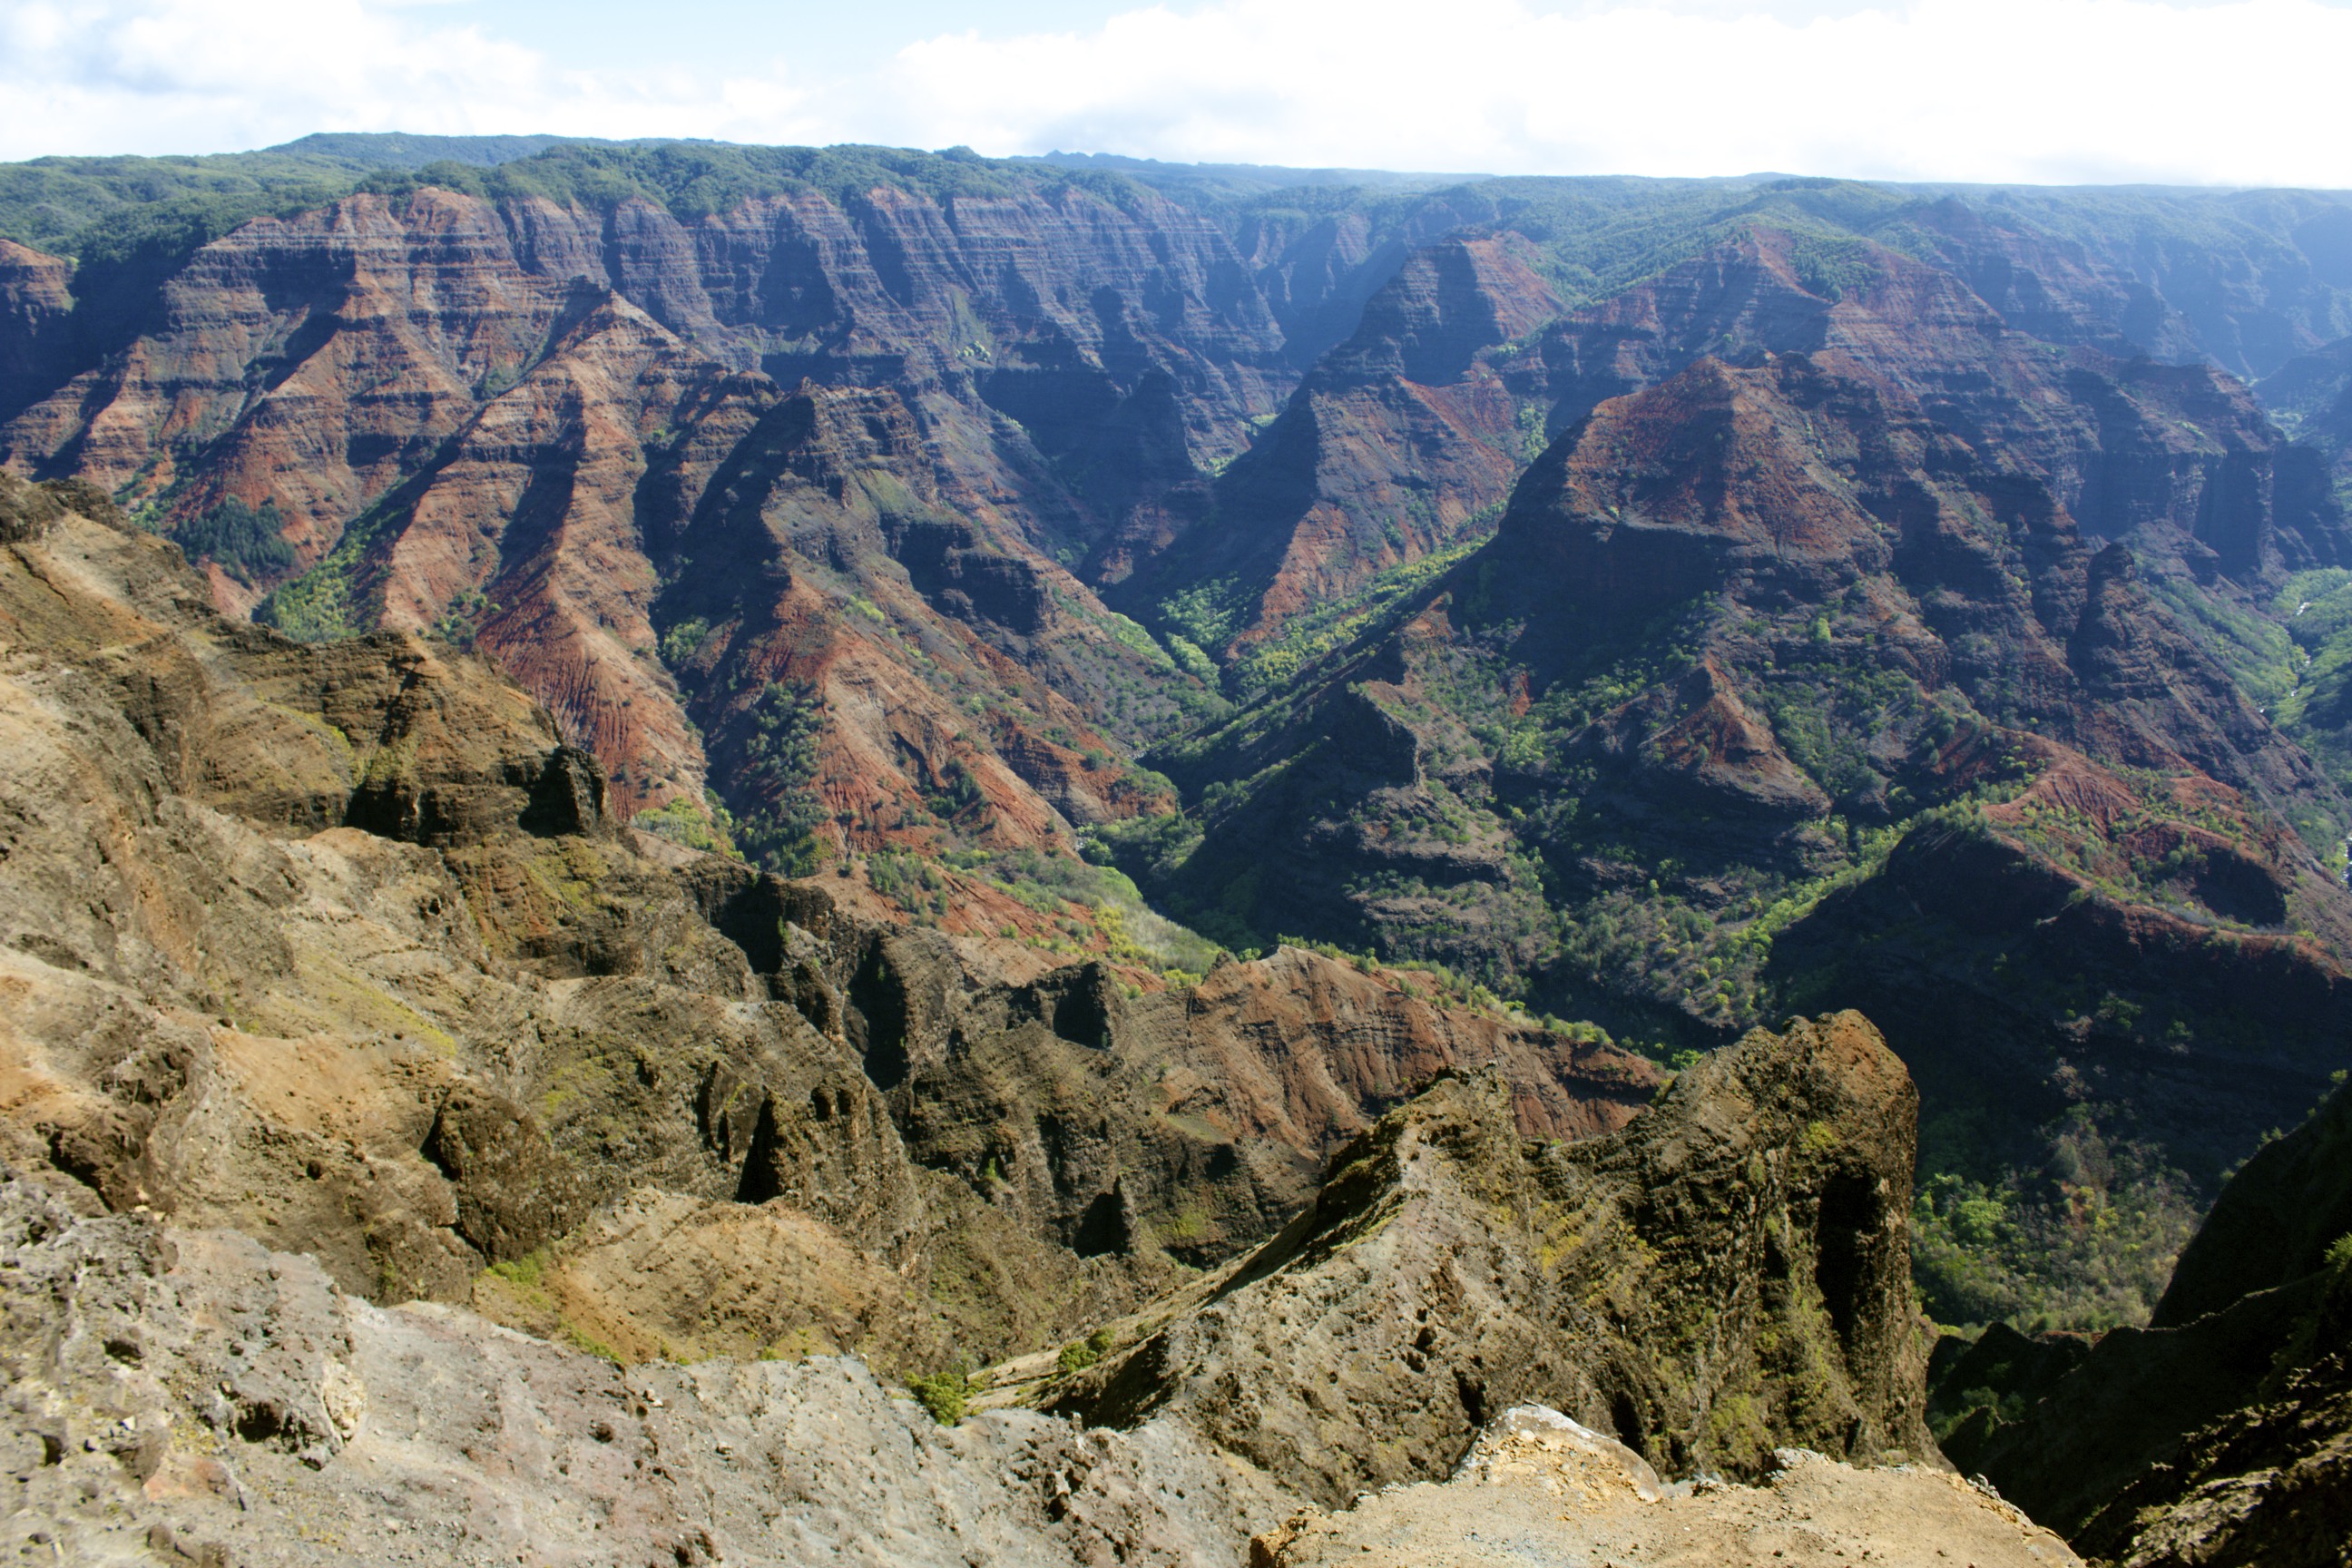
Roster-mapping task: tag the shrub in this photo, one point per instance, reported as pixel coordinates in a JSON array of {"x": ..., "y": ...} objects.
[
  {"x": 946, "y": 1395},
  {"x": 245, "y": 542},
  {"x": 1080, "y": 1354},
  {"x": 777, "y": 827}
]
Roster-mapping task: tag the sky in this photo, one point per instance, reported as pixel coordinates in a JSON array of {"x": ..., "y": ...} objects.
[{"x": 2241, "y": 92}]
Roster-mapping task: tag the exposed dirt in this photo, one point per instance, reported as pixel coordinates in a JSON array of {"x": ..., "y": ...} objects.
[{"x": 1543, "y": 1492}]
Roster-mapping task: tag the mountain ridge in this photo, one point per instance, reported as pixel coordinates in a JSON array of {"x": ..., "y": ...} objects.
[{"x": 924, "y": 516}]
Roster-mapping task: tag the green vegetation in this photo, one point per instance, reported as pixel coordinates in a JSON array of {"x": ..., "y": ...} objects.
[
  {"x": 116, "y": 214},
  {"x": 1080, "y": 1354},
  {"x": 2085, "y": 1241},
  {"x": 1207, "y": 615},
  {"x": 703, "y": 828},
  {"x": 461, "y": 623},
  {"x": 2258, "y": 652},
  {"x": 246, "y": 544},
  {"x": 51, "y": 204},
  {"x": 327, "y": 601},
  {"x": 1311, "y": 636},
  {"x": 1191, "y": 659},
  {"x": 1828, "y": 719},
  {"x": 2316, "y": 608},
  {"x": 681, "y": 642},
  {"x": 526, "y": 1272},
  {"x": 1135, "y": 933},
  {"x": 909, "y": 880},
  {"x": 1834, "y": 266},
  {"x": 696, "y": 179},
  {"x": 776, "y": 778},
  {"x": 945, "y": 1395}
]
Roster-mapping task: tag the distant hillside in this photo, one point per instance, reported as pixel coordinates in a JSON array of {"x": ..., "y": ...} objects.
[{"x": 47, "y": 203}]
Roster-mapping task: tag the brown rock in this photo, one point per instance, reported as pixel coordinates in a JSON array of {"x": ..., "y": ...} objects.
[
  {"x": 1538, "y": 1486},
  {"x": 1726, "y": 1274}
]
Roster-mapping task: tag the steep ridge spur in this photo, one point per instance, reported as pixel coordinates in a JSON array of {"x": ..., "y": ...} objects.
[{"x": 1726, "y": 1275}]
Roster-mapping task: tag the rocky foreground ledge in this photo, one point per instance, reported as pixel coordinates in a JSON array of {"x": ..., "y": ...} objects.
[
  {"x": 1541, "y": 1491},
  {"x": 182, "y": 1397},
  {"x": 1718, "y": 1282}
]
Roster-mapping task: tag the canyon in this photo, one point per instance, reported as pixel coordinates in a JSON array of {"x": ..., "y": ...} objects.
[{"x": 795, "y": 769}]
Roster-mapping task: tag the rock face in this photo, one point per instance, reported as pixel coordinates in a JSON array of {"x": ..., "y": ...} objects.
[
  {"x": 2218, "y": 1434},
  {"x": 1541, "y": 1489},
  {"x": 35, "y": 323},
  {"x": 555, "y": 426},
  {"x": 499, "y": 421},
  {"x": 1728, "y": 1274},
  {"x": 1399, "y": 441},
  {"x": 189, "y": 1397}
]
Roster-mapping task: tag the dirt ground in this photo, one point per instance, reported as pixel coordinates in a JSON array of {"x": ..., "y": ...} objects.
[{"x": 1539, "y": 1491}]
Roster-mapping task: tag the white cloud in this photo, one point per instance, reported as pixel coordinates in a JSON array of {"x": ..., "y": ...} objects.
[
  {"x": 155, "y": 76},
  {"x": 2240, "y": 93},
  {"x": 1960, "y": 89}
]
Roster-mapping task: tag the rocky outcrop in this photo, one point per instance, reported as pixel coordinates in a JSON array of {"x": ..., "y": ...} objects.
[
  {"x": 1540, "y": 1486},
  {"x": 313, "y": 362},
  {"x": 1726, "y": 1275},
  {"x": 182, "y": 1395},
  {"x": 1191, "y": 1121}
]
